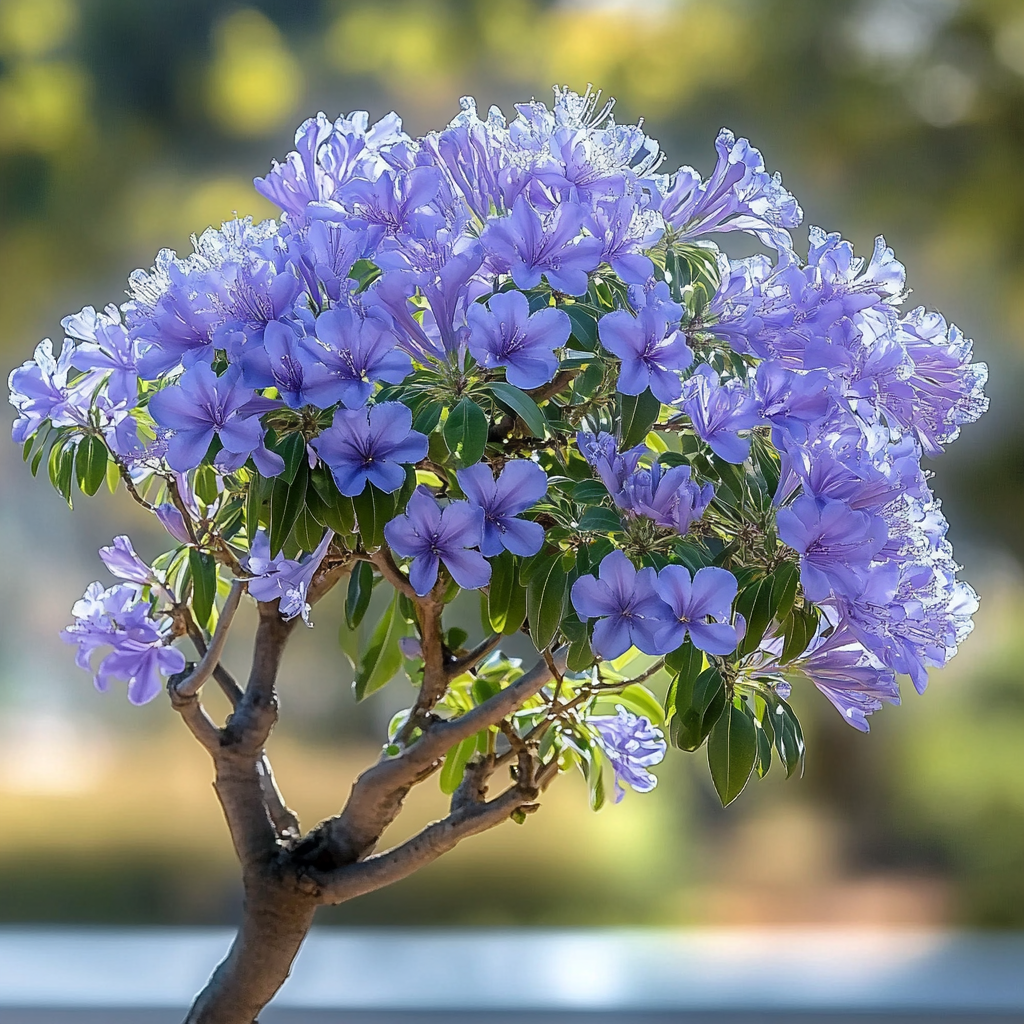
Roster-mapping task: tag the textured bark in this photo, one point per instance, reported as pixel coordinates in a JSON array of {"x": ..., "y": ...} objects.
[
  {"x": 286, "y": 876},
  {"x": 276, "y": 922}
]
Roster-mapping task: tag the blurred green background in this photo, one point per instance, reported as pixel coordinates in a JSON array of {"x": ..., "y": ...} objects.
[{"x": 125, "y": 126}]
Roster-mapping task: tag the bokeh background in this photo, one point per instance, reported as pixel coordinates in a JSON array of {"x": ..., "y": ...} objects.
[{"x": 126, "y": 125}]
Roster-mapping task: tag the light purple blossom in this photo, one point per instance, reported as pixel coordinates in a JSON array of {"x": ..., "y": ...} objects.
[
  {"x": 530, "y": 245},
  {"x": 626, "y": 603},
  {"x": 632, "y": 745},
  {"x": 173, "y": 522},
  {"x": 106, "y": 351},
  {"x": 370, "y": 446},
  {"x": 429, "y": 535},
  {"x": 202, "y": 405},
  {"x": 284, "y": 579},
  {"x": 790, "y": 401},
  {"x": 40, "y": 391},
  {"x": 519, "y": 485},
  {"x": 613, "y": 467},
  {"x": 671, "y": 498},
  {"x": 719, "y": 412},
  {"x": 651, "y": 354},
  {"x": 836, "y": 545},
  {"x": 348, "y": 356},
  {"x": 123, "y": 562},
  {"x": 505, "y": 334},
  {"x": 708, "y": 595},
  {"x": 119, "y": 618}
]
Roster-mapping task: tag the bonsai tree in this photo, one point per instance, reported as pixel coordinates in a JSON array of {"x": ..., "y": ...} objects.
[{"x": 507, "y": 359}]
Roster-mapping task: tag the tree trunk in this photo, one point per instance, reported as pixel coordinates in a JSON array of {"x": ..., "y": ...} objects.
[{"x": 275, "y": 923}]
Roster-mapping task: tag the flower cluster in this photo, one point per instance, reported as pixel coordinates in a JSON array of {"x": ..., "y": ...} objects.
[{"x": 509, "y": 356}]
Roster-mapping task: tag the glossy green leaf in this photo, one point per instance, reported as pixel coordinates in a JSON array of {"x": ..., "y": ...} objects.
[
  {"x": 357, "y": 598},
  {"x": 789, "y": 737},
  {"x": 91, "y": 464},
  {"x": 499, "y": 591},
  {"x": 427, "y": 417},
  {"x": 599, "y": 520},
  {"x": 698, "y": 701},
  {"x": 373, "y": 509},
  {"x": 308, "y": 530},
  {"x": 455, "y": 762},
  {"x": 204, "y": 585},
  {"x": 291, "y": 448},
  {"x": 465, "y": 432},
  {"x": 637, "y": 414},
  {"x": 382, "y": 659},
  {"x": 584, "y": 324},
  {"x": 522, "y": 405},
  {"x": 732, "y": 749},
  {"x": 589, "y": 492},
  {"x": 286, "y": 502},
  {"x": 545, "y": 602}
]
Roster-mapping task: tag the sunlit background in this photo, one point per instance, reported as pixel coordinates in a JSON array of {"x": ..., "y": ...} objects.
[{"x": 125, "y": 126}]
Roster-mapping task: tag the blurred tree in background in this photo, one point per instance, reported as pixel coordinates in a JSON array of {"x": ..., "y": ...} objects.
[{"x": 126, "y": 126}]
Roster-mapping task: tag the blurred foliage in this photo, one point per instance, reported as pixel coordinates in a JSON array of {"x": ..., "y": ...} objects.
[{"x": 126, "y": 126}]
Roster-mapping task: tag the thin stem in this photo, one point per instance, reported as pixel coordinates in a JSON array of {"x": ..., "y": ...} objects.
[{"x": 209, "y": 661}]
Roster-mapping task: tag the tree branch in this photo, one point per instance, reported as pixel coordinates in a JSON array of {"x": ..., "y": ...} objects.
[
  {"x": 377, "y": 795},
  {"x": 436, "y": 839},
  {"x": 474, "y": 657},
  {"x": 209, "y": 661},
  {"x": 388, "y": 568}
]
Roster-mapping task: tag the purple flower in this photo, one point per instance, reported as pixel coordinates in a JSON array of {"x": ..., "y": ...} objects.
[
  {"x": 280, "y": 362},
  {"x": 530, "y": 245},
  {"x": 836, "y": 544},
  {"x": 370, "y": 446},
  {"x": 350, "y": 353},
  {"x": 613, "y": 466},
  {"x": 123, "y": 562},
  {"x": 106, "y": 351},
  {"x": 202, "y": 405},
  {"x": 118, "y": 618},
  {"x": 709, "y": 594},
  {"x": 387, "y": 203},
  {"x": 627, "y": 229},
  {"x": 626, "y": 602},
  {"x": 521, "y": 484},
  {"x": 651, "y": 356},
  {"x": 281, "y": 578},
  {"x": 789, "y": 400},
  {"x": 719, "y": 411},
  {"x": 40, "y": 391},
  {"x": 173, "y": 522},
  {"x": 739, "y": 196},
  {"x": 429, "y": 535},
  {"x": 668, "y": 497},
  {"x": 505, "y": 334},
  {"x": 632, "y": 745}
]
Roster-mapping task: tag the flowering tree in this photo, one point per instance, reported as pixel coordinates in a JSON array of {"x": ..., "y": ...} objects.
[{"x": 507, "y": 358}]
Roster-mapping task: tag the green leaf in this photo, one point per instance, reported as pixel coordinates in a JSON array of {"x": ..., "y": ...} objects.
[
  {"x": 91, "y": 464},
  {"x": 204, "y": 585},
  {"x": 516, "y": 614},
  {"x": 589, "y": 492},
  {"x": 357, "y": 600},
  {"x": 686, "y": 661},
  {"x": 584, "y": 325},
  {"x": 545, "y": 601},
  {"x": 784, "y": 584},
  {"x": 259, "y": 489},
  {"x": 595, "y": 762},
  {"x": 373, "y": 509},
  {"x": 732, "y": 748},
  {"x": 587, "y": 382},
  {"x": 308, "y": 530},
  {"x": 286, "y": 502},
  {"x": 637, "y": 414},
  {"x": 65, "y": 472},
  {"x": 755, "y": 605},
  {"x": 789, "y": 737},
  {"x": 599, "y": 520},
  {"x": 638, "y": 699},
  {"x": 205, "y": 484},
  {"x": 329, "y": 505},
  {"x": 798, "y": 631},
  {"x": 291, "y": 448},
  {"x": 499, "y": 591},
  {"x": 427, "y": 417},
  {"x": 455, "y": 762},
  {"x": 698, "y": 702},
  {"x": 521, "y": 404},
  {"x": 382, "y": 659},
  {"x": 465, "y": 432}
]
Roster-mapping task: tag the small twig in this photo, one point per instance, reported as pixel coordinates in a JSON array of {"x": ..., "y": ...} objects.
[
  {"x": 208, "y": 663},
  {"x": 474, "y": 657},
  {"x": 388, "y": 568},
  {"x": 129, "y": 484}
]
